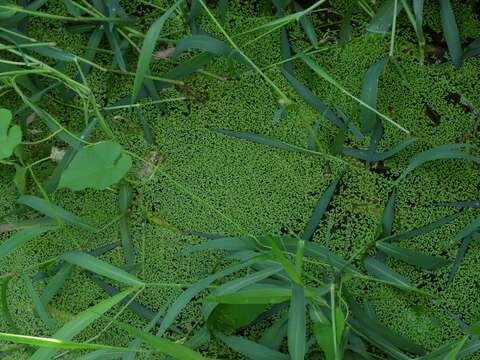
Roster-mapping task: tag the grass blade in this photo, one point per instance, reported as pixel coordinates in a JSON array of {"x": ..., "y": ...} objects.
[
  {"x": 90, "y": 263},
  {"x": 263, "y": 140},
  {"x": 201, "y": 285},
  {"x": 148, "y": 47},
  {"x": 467, "y": 231},
  {"x": 290, "y": 270},
  {"x": 53, "y": 343},
  {"x": 272, "y": 295},
  {"x": 450, "y": 31},
  {"x": 307, "y": 25},
  {"x": 388, "y": 215},
  {"x": 297, "y": 324},
  {"x": 368, "y": 118},
  {"x": 383, "y": 272},
  {"x": 124, "y": 200},
  {"x": 7, "y": 315},
  {"x": 207, "y": 44},
  {"x": 37, "y": 303},
  {"x": 319, "y": 210},
  {"x": 412, "y": 257},
  {"x": 238, "y": 284},
  {"x": 447, "y": 151},
  {"x": 458, "y": 259},
  {"x": 56, "y": 283},
  {"x": 461, "y": 204},
  {"x": 20, "y": 238},
  {"x": 54, "y": 212},
  {"x": 163, "y": 346},
  {"x": 421, "y": 230},
  {"x": 323, "y": 74},
  {"x": 274, "y": 335},
  {"x": 251, "y": 349},
  {"x": 78, "y": 323},
  {"x": 383, "y": 19}
]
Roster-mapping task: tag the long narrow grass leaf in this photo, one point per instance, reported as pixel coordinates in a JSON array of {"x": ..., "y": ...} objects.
[
  {"x": 163, "y": 346},
  {"x": 412, "y": 257},
  {"x": 148, "y": 47},
  {"x": 297, "y": 332},
  {"x": 54, "y": 212},
  {"x": 319, "y": 210},
  {"x": 250, "y": 349},
  {"x": 450, "y": 31},
  {"x": 19, "y": 238},
  {"x": 78, "y": 323},
  {"x": 369, "y": 95},
  {"x": 90, "y": 263}
]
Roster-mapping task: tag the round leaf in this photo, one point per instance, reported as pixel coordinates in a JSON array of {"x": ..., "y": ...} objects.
[
  {"x": 97, "y": 167},
  {"x": 9, "y": 138}
]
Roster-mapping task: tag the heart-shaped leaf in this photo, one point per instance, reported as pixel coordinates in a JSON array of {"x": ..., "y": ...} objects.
[
  {"x": 97, "y": 167},
  {"x": 9, "y": 138}
]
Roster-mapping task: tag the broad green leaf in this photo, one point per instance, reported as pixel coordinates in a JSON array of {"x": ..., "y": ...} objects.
[
  {"x": 326, "y": 338},
  {"x": 368, "y": 118},
  {"x": 37, "y": 303},
  {"x": 148, "y": 47},
  {"x": 250, "y": 349},
  {"x": 450, "y": 31},
  {"x": 319, "y": 210},
  {"x": 97, "y": 167},
  {"x": 163, "y": 346},
  {"x": 55, "y": 212},
  {"x": 90, "y": 263},
  {"x": 10, "y": 137},
  {"x": 78, "y": 323},
  {"x": 297, "y": 324},
  {"x": 231, "y": 317},
  {"x": 201, "y": 285},
  {"x": 59, "y": 344},
  {"x": 447, "y": 151},
  {"x": 383, "y": 19},
  {"x": 20, "y": 238},
  {"x": 266, "y": 295},
  {"x": 383, "y": 272},
  {"x": 412, "y": 257},
  {"x": 52, "y": 182}
]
